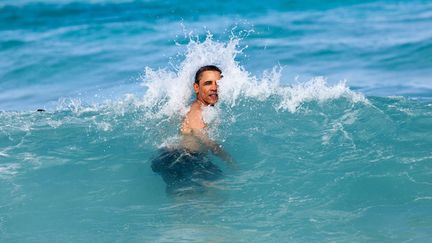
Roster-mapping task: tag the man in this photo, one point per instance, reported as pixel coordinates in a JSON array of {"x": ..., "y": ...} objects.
[
  {"x": 193, "y": 129},
  {"x": 188, "y": 167}
]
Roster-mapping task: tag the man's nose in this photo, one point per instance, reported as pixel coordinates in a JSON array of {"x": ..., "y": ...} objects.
[{"x": 214, "y": 86}]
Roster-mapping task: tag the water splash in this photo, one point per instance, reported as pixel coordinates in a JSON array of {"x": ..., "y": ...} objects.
[{"x": 169, "y": 92}]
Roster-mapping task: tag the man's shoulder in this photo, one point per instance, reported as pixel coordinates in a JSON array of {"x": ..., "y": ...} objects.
[
  {"x": 196, "y": 106},
  {"x": 194, "y": 110}
]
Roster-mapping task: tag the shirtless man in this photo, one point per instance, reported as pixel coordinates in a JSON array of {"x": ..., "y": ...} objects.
[
  {"x": 193, "y": 129},
  {"x": 188, "y": 168}
]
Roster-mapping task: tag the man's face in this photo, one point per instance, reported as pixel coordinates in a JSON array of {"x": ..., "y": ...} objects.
[{"x": 207, "y": 89}]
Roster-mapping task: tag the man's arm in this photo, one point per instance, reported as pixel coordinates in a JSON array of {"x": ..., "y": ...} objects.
[
  {"x": 214, "y": 147},
  {"x": 194, "y": 125}
]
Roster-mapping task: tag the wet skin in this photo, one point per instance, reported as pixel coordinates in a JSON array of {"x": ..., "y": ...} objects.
[{"x": 193, "y": 125}]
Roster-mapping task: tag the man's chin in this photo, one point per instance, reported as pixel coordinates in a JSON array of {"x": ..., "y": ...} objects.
[{"x": 212, "y": 102}]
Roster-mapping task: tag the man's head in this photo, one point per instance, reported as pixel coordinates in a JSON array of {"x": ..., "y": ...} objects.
[{"x": 205, "y": 86}]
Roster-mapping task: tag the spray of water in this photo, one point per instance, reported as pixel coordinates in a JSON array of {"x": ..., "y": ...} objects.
[{"x": 168, "y": 93}]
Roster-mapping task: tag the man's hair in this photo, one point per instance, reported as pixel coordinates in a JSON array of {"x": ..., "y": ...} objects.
[{"x": 203, "y": 69}]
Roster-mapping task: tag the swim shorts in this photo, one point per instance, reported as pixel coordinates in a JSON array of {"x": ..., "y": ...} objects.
[{"x": 181, "y": 169}]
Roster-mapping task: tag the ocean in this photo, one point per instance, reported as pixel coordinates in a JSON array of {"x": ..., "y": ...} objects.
[{"x": 326, "y": 108}]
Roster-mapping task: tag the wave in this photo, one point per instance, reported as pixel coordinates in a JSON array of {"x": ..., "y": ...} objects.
[
  {"x": 154, "y": 116},
  {"x": 169, "y": 92},
  {"x": 324, "y": 150},
  {"x": 60, "y": 46},
  {"x": 318, "y": 158}
]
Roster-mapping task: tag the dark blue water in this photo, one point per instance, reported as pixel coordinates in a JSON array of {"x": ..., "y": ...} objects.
[{"x": 326, "y": 107}]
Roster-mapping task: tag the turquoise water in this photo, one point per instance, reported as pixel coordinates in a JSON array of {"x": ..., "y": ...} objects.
[{"x": 325, "y": 107}]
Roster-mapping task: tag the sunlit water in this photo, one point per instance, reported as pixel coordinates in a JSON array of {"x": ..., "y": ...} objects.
[{"x": 319, "y": 159}]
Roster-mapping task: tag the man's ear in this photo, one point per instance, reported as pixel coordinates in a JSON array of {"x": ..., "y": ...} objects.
[{"x": 196, "y": 88}]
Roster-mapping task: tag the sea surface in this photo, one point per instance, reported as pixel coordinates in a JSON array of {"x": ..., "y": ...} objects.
[{"x": 326, "y": 107}]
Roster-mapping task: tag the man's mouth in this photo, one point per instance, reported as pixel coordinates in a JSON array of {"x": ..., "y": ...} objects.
[{"x": 213, "y": 96}]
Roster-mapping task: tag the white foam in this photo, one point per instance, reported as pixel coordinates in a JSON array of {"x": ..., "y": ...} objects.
[
  {"x": 211, "y": 114},
  {"x": 169, "y": 92},
  {"x": 315, "y": 90}
]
